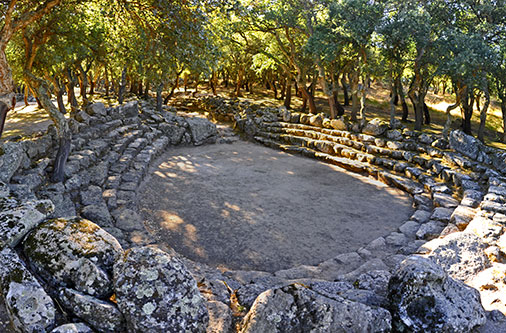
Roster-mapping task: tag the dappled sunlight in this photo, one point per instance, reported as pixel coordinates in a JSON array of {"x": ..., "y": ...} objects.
[
  {"x": 245, "y": 206},
  {"x": 170, "y": 220}
]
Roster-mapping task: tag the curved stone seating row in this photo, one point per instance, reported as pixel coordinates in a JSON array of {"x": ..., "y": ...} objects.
[
  {"x": 459, "y": 194},
  {"x": 112, "y": 150}
]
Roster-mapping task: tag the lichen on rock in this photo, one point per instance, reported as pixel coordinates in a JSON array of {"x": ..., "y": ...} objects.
[
  {"x": 156, "y": 293},
  {"x": 73, "y": 253}
]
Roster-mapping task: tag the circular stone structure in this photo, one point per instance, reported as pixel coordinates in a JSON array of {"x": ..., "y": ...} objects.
[{"x": 248, "y": 207}]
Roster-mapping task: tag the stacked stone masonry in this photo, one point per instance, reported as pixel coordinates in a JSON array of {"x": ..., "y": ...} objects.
[{"x": 455, "y": 238}]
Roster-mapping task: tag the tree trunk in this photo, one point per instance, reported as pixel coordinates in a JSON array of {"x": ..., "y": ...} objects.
[
  {"x": 288, "y": 94},
  {"x": 197, "y": 79},
  {"x": 159, "y": 99},
  {"x": 146, "y": 89},
  {"x": 212, "y": 81},
  {"x": 94, "y": 80},
  {"x": 308, "y": 97},
  {"x": 365, "y": 85},
  {"x": 503, "y": 110},
  {"x": 83, "y": 84},
  {"x": 122, "y": 87},
  {"x": 327, "y": 90},
  {"x": 483, "y": 115},
  {"x": 426, "y": 113},
  {"x": 174, "y": 87},
  {"x": 25, "y": 97},
  {"x": 41, "y": 89},
  {"x": 7, "y": 95},
  {"x": 402, "y": 97},
  {"x": 3, "y": 115},
  {"x": 467, "y": 103},
  {"x": 238, "y": 83},
  {"x": 447, "y": 126},
  {"x": 345, "y": 90},
  {"x": 70, "y": 91},
  {"x": 106, "y": 81},
  {"x": 140, "y": 88},
  {"x": 393, "y": 94},
  {"x": 60, "y": 90},
  {"x": 354, "y": 96}
]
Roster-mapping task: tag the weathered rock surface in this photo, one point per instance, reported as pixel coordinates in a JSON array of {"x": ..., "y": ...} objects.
[
  {"x": 425, "y": 299},
  {"x": 73, "y": 253},
  {"x": 73, "y": 328},
  {"x": 12, "y": 156},
  {"x": 464, "y": 144},
  {"x": 339, "y": 124},
  {"x": 461, "y": 255},
  {"x": 101, "y": 315},
  {"x": 130, "y": 109},
  {"x": 29, "y": 306},
  {"x": 202, "y": 130},
  {"x": 18, "y": 217},
  {"x": 96, "y": 109},
  {"x": 295, "y": 308},
  {"x": 375, "y": 127},
  {"x": 156, "y": 293}
]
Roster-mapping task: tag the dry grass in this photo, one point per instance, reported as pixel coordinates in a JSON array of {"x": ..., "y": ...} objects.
[{"x": 378, "y": 106}]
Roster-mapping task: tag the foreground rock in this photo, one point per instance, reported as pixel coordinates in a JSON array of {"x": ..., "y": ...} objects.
[
  {"x": 12, "y": 156},
  {"x": 202, "y": 130},
  {"x": 103, "y": 316},
  {"x": 18, "y": 217},
  {"x": 29, "y": 307},
  {"x": 461, "y": 255},
  {"x": 425, "y": 299},
  {"x": 156, "y": 293},
  {"x": 295, "y": 308},
  {"x": 73, "y": 253}
]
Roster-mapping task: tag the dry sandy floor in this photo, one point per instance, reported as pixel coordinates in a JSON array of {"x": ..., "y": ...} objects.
[{"x": 245, "y": 206}]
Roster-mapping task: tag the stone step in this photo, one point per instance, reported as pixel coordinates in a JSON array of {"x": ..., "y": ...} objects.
[
  {"x": 400, "y": 161},
  {"x": 381, "y": 145},
  {"x": 384, "y": 176}
]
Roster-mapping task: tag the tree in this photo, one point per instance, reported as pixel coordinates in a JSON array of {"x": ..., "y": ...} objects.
[{"x": 16, "y": 15}]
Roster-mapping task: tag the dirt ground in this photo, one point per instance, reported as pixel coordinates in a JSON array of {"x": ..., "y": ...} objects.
[{"x": 245, "y": 206}]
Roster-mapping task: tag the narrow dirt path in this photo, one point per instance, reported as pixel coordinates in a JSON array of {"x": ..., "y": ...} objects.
[{"x": 245, "y": 206}]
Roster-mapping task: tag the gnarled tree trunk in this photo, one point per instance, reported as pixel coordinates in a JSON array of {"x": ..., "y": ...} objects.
[
  {"x": 41, "y": 89},
  {"x": 483, "y": 115}
]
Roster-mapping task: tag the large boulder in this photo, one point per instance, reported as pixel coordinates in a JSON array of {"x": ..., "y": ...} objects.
[
  {"x": 130, "y": 109},
  {"x": 12, "y": 157},
  {"x": 173, "y": 132},
  {"x": 425, "y": 299},
  {"x": 465, "y": 144},
  {"x": 73, "y": 253},
  {"x": 461, "y": 254},
  {"x": 96, "y": 109},
  {"x": 295, "y": 308},
  {"x": 316, "y": 120},
  {"x": 29, "y": 307},
  {"x": 339, "y": 124},
  {"x": 101, "y": 315},
  {"x": 156, "y": 293},
  {"x": 375, "y": 127},
  {"x": 18, "y": 217},
  {"x": 202, "y": 130}
]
